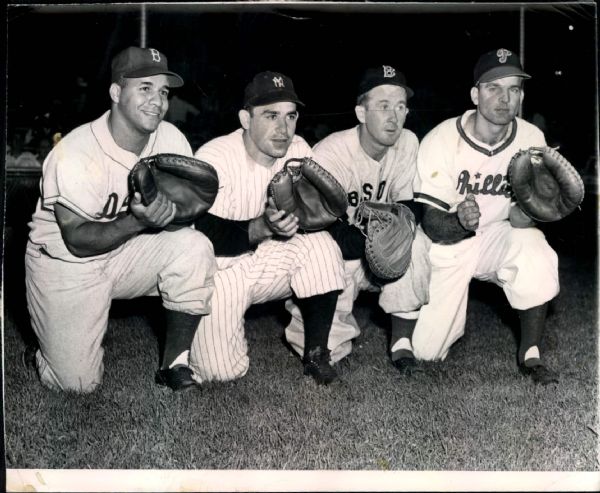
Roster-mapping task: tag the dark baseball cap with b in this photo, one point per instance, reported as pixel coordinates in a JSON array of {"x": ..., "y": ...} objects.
[
  {"x": 383, "y": 75},
  {"x": 134, "y": 62},
  {"x": 497, "y": 64},
  {"x": 270, "y": 87}
]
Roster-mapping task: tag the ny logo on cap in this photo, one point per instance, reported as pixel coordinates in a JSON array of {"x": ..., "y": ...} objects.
[
  {"x": 389, "y": 71},
  {"x": 503, "y": 55},
  {"x": 155, "y": 55},
  {"x": 278, "y": 81}
]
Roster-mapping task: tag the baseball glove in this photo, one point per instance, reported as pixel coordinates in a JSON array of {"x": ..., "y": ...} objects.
[
  {"x": 309, "y": 192},
  {"x": 544, "y": 184},
  {"x": 390, "y": 231},
  {"x": 191, "y": 184}
]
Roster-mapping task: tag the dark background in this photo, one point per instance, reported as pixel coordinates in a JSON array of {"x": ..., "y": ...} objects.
[{"x": 323, "y": 47}]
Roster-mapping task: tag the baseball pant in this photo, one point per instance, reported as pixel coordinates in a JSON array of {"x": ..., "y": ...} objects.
[
  {"x": 520, "y": 261},
  {"x": 304, "y": 265},
  {"x": 403, "y": 298},
  {"x": 69, "y": 302}
]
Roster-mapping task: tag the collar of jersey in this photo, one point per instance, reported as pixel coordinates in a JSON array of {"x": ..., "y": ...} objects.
[
  {"x": 480, "y": 146},
  {"x": 112, "y": 150}
]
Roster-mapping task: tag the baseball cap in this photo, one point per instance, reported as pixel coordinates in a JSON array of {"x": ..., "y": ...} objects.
[
  {"x": 497, "y": 64},
  {"x": 134, "y": 62},
  {"x": 382, "y": 75},
  {"x": 270, "y": 87}
]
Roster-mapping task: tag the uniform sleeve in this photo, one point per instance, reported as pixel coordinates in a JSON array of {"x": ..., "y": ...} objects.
[
  {"x": 401, "y": 188},
  {"x": 332, "y": 158},
  {"x": 434, "y": 185},
  {"x": 75, "y": 180},
  {"x": 215, "y": 154}
]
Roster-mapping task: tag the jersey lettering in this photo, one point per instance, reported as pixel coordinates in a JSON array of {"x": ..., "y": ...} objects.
[
  {"x": 110, "y": 208},
  {"x": 353, "y": 198},
  {"x": 155, "y": 55},
  {"x": 380, "y": 189},
  {"x": 490, "y": 185},
  {"x": 367, "y": 191}
]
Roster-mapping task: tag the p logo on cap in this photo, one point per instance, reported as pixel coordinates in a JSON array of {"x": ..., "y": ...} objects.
[{"x": 497, "y": 64}]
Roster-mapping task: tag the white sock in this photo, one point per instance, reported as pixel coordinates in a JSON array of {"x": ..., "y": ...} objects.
[
  {"x": 532, "y": 352},
  {"x": 402, "y": 343},
  {"x": 182, "y": 359}
]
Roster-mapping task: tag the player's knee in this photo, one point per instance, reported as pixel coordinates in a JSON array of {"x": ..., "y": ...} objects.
[
  {"x": 192, "y": 243},
  {"x": 68, "y": 378}
]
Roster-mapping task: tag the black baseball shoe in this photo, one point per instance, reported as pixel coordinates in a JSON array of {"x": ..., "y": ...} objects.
[
  {"x": 539, "y": 373},
  {"x": 28, "y": 358},
  {"x": 405, "y": 361},
  {"x": 316, "y": 364},
  {"x": 177, "y": 378}
]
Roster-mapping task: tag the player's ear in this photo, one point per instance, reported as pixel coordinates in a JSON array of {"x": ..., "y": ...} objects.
[
  {"x": 360, "y": 111},
  {"x": 244, "y": 116},
  {"x": 115, "y": 92},
  {"x": 475, "y": 95}
]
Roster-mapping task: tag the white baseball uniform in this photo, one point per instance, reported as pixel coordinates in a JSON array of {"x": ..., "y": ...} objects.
[
  {"x": 451, "y": 164},
  {"x": 363, "y": 178},
  {"x": 69, "y": 297},
  {"x": 305, "y": 264}
]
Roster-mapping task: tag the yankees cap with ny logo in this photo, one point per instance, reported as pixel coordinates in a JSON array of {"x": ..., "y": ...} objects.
[
  {"x": 134, "y": 62},
  {"x": 497, "y": 64},
  {"x": 270, "y": 87}
]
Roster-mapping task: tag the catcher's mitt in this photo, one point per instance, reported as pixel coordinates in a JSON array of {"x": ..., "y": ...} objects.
[
  {"x": 309, "y": 192},
  {"x": 391, "y": 229},
  {"x": 544, "y": 184},
  {"x": 191, "y": 184}
]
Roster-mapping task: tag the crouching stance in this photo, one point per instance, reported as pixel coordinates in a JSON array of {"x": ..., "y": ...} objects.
[
  {"x": 462, "y": 164},
  {"x": 261, "y": 254},
  {"x": 90, "y": 243}
]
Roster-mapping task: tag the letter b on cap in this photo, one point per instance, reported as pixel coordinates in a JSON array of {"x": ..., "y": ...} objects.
[
  {"x": 155, "y": 55},
  {"x": 389, "y": 71}
]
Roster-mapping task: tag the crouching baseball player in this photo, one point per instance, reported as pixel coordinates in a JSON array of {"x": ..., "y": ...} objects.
[
  {"x": 374, "y": 161},
  {"x": 261, "y": 255},
  {"x": 89, "y": 243},
  {"x": 462, "y": 165}
]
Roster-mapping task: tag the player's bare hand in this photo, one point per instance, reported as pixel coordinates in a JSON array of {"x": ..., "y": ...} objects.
[
  {"x": 280, "y": 222},
  {"x": 158, "y": 214},
  {"x": 468, "y": 213}
]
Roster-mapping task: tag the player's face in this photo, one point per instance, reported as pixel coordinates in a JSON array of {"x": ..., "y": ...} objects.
[
  {"x": 143, "y": 102},
  {"x": 498, "y": 101},
  {"x": 269, "y": 130},
  {"x": 384, "y": 114}
]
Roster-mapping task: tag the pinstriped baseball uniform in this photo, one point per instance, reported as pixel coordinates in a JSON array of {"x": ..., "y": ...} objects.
[
  {"x": 305, "y": 264},
  {"x": 451, "y": 164},
  {"x": 363, "y": 178},
  {"x": 69, "y": 297}
]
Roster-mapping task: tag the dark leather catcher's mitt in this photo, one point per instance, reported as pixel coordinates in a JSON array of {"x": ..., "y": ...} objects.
[
  {"x": 190, "y": 183},
  {"x": 544, "y": 184},
  {"x": 308, "y": 191},
  {"x": 391, "y": 229}
]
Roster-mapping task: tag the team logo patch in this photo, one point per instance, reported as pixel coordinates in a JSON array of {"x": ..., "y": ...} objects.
[
  {"x": 389, "y": 71},
  {"x": 503, "y": 55},
  {"x": 278, "y": 82},
  {"x": 155, "y": 55}
]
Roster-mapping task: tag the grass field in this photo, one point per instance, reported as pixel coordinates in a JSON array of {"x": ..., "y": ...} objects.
[{"x": 473, "y": 412}]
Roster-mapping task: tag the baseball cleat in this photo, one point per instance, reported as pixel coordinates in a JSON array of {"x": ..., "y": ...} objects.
[
  {"x": 405, "y": 364},
  {"x": 316, "y": 364},
  {"x": 177, "y": 378},
  {"x": 28, "y": 357},
  {"x": 539, "y": 374}
]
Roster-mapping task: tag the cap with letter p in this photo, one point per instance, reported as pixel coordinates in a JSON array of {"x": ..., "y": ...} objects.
[
  {"x": 497, "y": 64},
  {"x": 383, "y": 75},
  {"x": 134, "y": 62},
  {"x": 270, "y": 87}
]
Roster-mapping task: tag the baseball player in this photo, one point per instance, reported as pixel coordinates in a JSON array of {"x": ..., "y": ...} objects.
[
  {"x": 374, "y": 161},
  {"x": 261, "y": 255},
  {"x": 462, "y": 169},
  {"x": 89, "y": 243}
]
